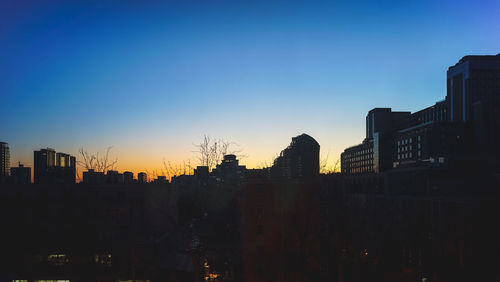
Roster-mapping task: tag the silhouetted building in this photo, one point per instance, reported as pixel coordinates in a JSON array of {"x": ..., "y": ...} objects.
[
  {"x": 114, "y": 177},
  {"x": 4, "y": 160},
  {"x": 93, "y": 177},
  {"x": 201, "y": 172},
  {"x": 229, "y": 170},
  {"x": 299, "y": 159},
  {"x": 142, "y": 177},
  {"x": 473, "y": 93},
  {"x": 161, "y": 179},
  {"x": 128, "y": 177},
  {"x": 20, "y": 174},
  {"x": 463, "y": 127},
  {"x": 374, "y": 154},
  {"x": 52, "y": 167}
]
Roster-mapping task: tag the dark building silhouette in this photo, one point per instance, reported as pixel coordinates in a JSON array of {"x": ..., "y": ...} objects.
[
  {"x": 201, "y": 172},
  {"x": 21, "y": 174},
  {"x": 4, "y": 161},
  {"x": 114, "y": 177},
  {"x": 142, "y": 177},
  {"x": 101, "y": 232},
  {"x": 52, "y": 167},
  {"x": 374, "y": 154},
  {"x": 228, "y": 170},
  {"x": 110, "y": 177},
  {"x": 161, "y": 179},
  {"x": 93, "y": 177},
  {"x": 465, "y": 127},
  {"x": 473, "y": 94},
  {"x": 300, "y": 159},
  {"x": 128, "y": 177}
]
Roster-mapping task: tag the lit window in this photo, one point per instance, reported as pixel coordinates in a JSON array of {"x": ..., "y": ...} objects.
[
  {"x": 57, "y": 259},
  {"x": 103, "y": 259}
]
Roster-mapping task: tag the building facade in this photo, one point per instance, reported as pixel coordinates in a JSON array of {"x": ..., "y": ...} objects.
[
  {"x": 4, "y": 160},
  {"x": 20, "y": 174},
  {"x": 465, "y": 127},
  {"x": 299, "y": 160},
  {"x": 473, "y": 94},
  {"x": 52, "y": 167}
]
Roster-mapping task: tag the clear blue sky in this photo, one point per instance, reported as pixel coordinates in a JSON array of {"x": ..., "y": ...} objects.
[{"x": 151, "y": 77}]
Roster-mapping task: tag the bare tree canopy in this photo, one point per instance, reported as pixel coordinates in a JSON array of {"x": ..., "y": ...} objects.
[
  {"x": 170, "y": 170},
  {"x": 212, "y": 151},
  {"x": 324, "y": 168},
  {"x": 95, "y": 161}
]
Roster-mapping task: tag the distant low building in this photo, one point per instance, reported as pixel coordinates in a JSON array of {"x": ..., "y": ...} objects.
[
  {"x": 128, "y": 177},
  {"x": 93, "y": 177},
  {"x": 161, "y": 179},
  {"x": 142, "y": 177},
  {"x": 20, "y": 174},
  {"x": 114, "y": 177}
]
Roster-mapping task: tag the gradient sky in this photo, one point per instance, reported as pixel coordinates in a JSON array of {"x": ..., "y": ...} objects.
[{"x": 151, "y": 78}]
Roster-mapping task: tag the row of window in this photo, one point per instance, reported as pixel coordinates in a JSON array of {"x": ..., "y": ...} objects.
[
  {"x": 408, "y": 155},
  {"x": 407, "y": 141}
]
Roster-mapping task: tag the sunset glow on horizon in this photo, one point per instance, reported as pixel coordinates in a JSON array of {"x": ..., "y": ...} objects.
[{"x": 151, "y": 79}]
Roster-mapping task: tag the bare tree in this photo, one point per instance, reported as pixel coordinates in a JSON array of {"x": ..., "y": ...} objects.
[
  {"x": 269, "y": 163},
  {"x": 336, "y": 166},
  {"x": 212, "y": 151},
  {"x": 324, "y": 168},
  {"x": 171, "y": 170},
  {"x": 323, "y": 164},
  {"x": 96, "y": 162}
]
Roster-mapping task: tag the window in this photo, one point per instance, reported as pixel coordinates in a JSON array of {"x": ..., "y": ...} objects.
[
  {"x": 260, "y": 189},
  {"x": 260, "y": 212},
  {"x": 260, "y": 229}
]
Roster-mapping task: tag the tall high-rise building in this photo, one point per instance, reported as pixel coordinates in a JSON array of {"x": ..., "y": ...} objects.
[
  {"x": 52, "y": 167},
  {"x": 4, "y": 160},
  {"x": 299, "y": 160},
  {"x": 473, "y": 94}
]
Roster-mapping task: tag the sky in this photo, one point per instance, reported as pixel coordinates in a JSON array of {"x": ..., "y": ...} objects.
[{"x": 151, "y": 78}]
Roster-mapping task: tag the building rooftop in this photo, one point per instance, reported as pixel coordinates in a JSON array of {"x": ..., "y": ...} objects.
[{"x": 476, "y": 58}]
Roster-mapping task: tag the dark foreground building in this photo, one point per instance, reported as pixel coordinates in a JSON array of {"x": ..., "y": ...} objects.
[
  {"x": 20, "y": 174},
  {"x": 83, "y": 232}
]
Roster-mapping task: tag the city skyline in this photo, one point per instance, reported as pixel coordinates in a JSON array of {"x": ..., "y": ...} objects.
[{"x": 152, "y": 79}]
